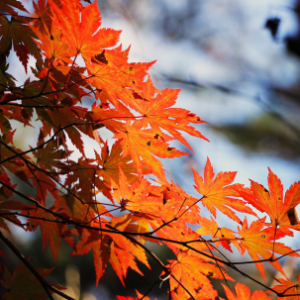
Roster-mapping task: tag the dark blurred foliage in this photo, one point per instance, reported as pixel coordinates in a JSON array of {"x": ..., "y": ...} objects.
[
  {"x": 264, "y": 135},
  {"x": 272, "y": 24},
  {"x": 293, "y": 42}
]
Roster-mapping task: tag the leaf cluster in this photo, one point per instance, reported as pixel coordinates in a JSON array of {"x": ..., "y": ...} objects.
[{"x": 106, "y": 203}]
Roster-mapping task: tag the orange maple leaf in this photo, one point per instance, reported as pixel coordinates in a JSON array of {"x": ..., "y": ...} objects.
[
  {"x": 96, "y": 241},
  {"x": 118, "y": 250},
  {"x": 113, "y": 81},
  {"x": 130, "y": 196},
  {"x": 244, "y": 293},
  {"x": 158, "y": 113},
  {"x": 110, "y": 162},
  {"x": 218, "y": 192},
  {"x": 142, "y": 145},
  {"x": 119, "y": 58},
  {"x": 282, "y": 212},
  {"x": 260, "y": 242},
  {"x": 51, "y": 44},
  {"x": 193, "y": 273},
  {"x": 80, "y": 28},
  {"x": 220, "y": 235}
]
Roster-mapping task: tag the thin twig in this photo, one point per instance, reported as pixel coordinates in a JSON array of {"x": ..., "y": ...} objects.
[
  {"x": 227, "y": 90},
  {"x": 150, "y": 289},
  {"x": 47, "y": 93},
  {"x": 217, "y": 263},
  {"x": 46, "y": 286}
]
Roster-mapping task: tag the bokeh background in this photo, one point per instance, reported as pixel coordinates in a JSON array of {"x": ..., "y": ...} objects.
[{"x": 238, "y": 66}]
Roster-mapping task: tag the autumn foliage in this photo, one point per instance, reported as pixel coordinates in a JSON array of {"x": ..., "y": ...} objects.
[{"x": 83, "y": 86}]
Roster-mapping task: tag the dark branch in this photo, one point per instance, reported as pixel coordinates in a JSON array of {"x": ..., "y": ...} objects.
[{"x": 46, "y": 286}]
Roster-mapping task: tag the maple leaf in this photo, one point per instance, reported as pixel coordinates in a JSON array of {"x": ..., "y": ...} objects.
[
  {"x": 242, "y": 292},
  {"x": 144, "y": 121},
  {"x": 77, "y": 210},
  {"x": 50, "y": 157},
  {"x": 43, "y": 13},
  {"x": 225, "y": 235},
  {"x": 98, "y": 242},
  {"x": 194, "y": 279},
  {"x": 119, "y": 58},
  {"x": 113, "y": 81},
  {"x": 51, "y": 230},
  {"x": 23, "y": 285},
  {"x": 112, "y": 160},
  {"x": 12, "y": 112},
  {"x": 43, "y": 183},
  {"x": 141, "y": 145},
  {"x": 5, "y": 213},
  {"x": 15, "y": 165},
  {"x": 132, "y": 194},
  {"x": 80, "y": 28},
  {"x": 84, "y": 171},
  {"x": 157, "y": 113},
  {"x": 71, "y": 115},
  {"x": 168, "y": 203},
  {"x": 120, "y": 252},
  {"x": 102, "y": 252},
  {"x": 260, "y": 242},
  {"x": 123, "y": 258},
  {"x": 281, "y": 211},
  {"x": 287, "y": 287},
  {"x": 218, "y": 192},
  {"x": 51, "y": 44},
  {"x": 135, "y": 198},
  {"x": 6, "y": 80},
  {"x": 17, "y": 33},
  {"x": 9, "y": 5},
  {"x": 104, "y": 115},
  {"x": 115, "y": 77},
  {"x": 182, "y": 234},
  {"x": 178, "y": 204}
]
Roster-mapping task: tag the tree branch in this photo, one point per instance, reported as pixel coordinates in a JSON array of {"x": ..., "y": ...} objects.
[{"x": 46, "y": 286}]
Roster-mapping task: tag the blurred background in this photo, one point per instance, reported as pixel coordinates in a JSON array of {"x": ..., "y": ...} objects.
[{"x": 238, "y": 66}]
